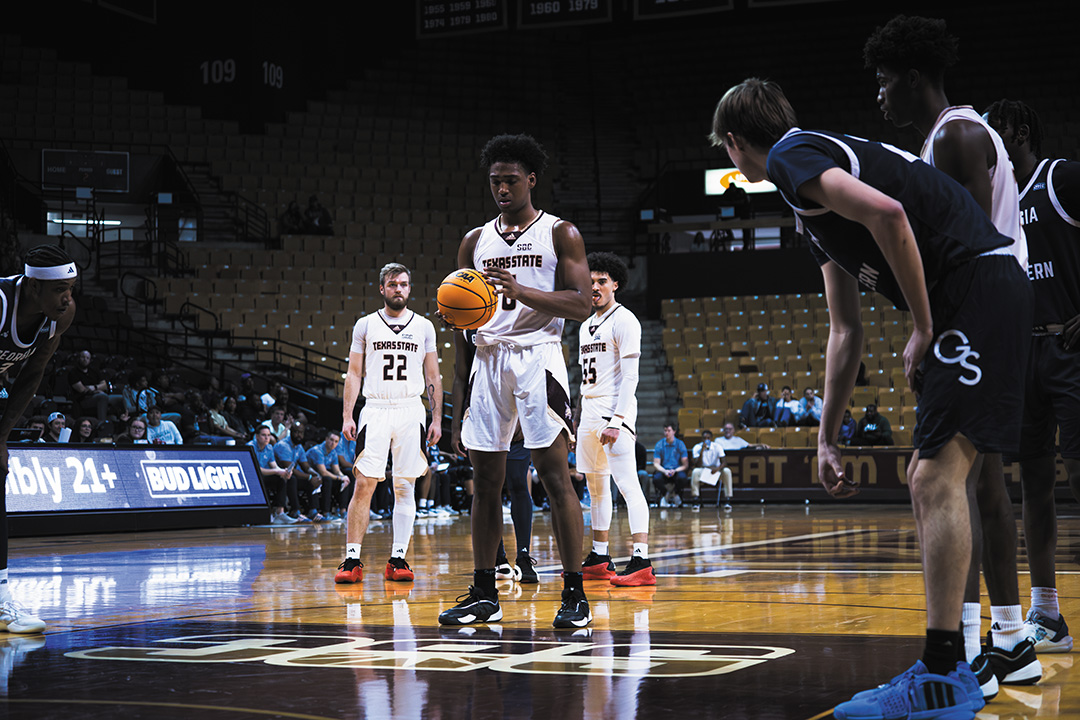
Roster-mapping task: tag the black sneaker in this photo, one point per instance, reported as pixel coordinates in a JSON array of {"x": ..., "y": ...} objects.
[
  {"x": 472, "y": 607},
  {"x": 525, "y": 568},
  {"x": 984, "y": 673},
  {"x": 1019, "y": 666},
  {"x": 597, "y": 567},
  {"x": 574, "y": 612}
]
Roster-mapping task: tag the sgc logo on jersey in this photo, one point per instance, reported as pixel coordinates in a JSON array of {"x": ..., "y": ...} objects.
[{"x": 960, "y": 353}]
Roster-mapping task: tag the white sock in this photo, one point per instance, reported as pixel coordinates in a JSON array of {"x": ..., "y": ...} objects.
[
  {"x": 352, "y": 551},
  {"x": 600, "y": 548},
  {"x": 1045, "y": 600},
  {"x": 1007, "y": 624},
  {"x": 641, "y": 550},
  {"x": 5, "y": 589},
  {"x": 972, "y": 622},
  {"x": 398, "y": 551}
]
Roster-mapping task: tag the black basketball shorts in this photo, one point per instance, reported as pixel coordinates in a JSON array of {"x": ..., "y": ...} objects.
[
  {"x": 1051, "y": 399},
  {"x": 974, "y": 372}
]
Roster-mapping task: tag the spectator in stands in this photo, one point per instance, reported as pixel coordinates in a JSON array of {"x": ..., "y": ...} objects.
[
  {"x": 292, "y": 220},
  {"x": 169, "y": 399},
  {"x": 249, "y": 405},
  {"x": 670, "y": 461},
  {"x": 37, "y": 422},
  {"x": 219, "y": 424},
  {"x": 273, "y": 475},
  {"x": 873, "y": 429},
  {"x": 277, "y": 422},
  {"x": 760, "y": 409},
  {"x": 739, "y": 200},
  {"x": 787, "y": 409},
  {"x": 709, "y": 455},
  {"x": 200, "y": 431},
  {"x": 135, "y": 434},
  {"x": 847, "y": 429},
  {"x": 161, "y": 432},
  {"x": 317, "y": 219},
  {"x": 84, "y": 431},
  {"x": 290, "y": 454},
  {"x": 730, "y": 441},
  {"x": 231, "y": 414},
  {"x": 324, "y": 464},
  {"x": 54, "y": 428},
  {"x": 810, "y": 407},
  {"x": 93, "y": 393}
]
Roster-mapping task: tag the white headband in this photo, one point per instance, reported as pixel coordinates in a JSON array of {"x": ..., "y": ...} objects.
[{"x": 57, "y": 272}]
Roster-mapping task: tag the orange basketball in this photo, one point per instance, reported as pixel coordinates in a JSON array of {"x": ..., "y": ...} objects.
[{"x": 466, "y": 300}]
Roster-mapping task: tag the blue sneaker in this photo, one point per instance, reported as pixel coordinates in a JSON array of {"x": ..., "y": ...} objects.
[
  {"x": 917, "y": 694},
  {"x": 976, "y": 691}
]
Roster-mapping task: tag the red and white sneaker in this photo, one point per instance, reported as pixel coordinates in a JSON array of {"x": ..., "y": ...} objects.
[
  {"x": 350, "y": 571},
  {"x": 597, "y": 567},
  {"x": 637, "y": 572},
  {"x": 398, "y": 569}
]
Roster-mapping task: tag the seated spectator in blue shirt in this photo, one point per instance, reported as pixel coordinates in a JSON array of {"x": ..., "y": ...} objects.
[
  {"x": 810, "y": 408},
  {"x": 847, "y": 429},
  {"x": 671, "y": 460},
  {"x": 290, "y": 454},
  {"x": 787, "y": 409},
  {"x": 323, "y": 460},
  {"x": 274, "y": 476},
  {"x": 759, "y": 410}
]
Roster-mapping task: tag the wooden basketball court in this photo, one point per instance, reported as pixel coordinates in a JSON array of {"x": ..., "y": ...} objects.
[{"x": 767, "y": 611}]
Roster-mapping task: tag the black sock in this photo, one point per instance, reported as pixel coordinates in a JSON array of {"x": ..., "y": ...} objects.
[
  {"x": 940, "y": 652},
  {"x": 500, "y": 554},
  {"x": 573, "y": 581},
  {"x": 484, "y": 581}
]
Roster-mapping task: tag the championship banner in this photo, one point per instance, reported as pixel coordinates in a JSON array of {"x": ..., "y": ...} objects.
[{"x": 86, "y": 488}]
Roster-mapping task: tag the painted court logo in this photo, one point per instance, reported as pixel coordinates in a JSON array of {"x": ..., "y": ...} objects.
[
  {"x": 449, "y": 655},
  {"x": 194, "y": 478},
  {"x": 960, "y": 353}
]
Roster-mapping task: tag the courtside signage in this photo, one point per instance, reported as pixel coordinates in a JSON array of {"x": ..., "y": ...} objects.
[
  {"x": 76, "y": 478},
  {"x": 194, "y": 479}
]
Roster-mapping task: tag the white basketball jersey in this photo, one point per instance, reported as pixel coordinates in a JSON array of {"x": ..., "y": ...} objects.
[
  {"x": 603, "y": 341},
  {"x": 394, "y": 351},
  {"x": 532, "y": 259},
  {"x": 1004, "y": 201}
]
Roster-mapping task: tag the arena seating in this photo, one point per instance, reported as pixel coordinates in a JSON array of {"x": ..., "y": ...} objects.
[{"x": 721, "y": 348}]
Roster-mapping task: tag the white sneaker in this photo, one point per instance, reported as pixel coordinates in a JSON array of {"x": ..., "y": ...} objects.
[
  {"x": 16, "y": 619},
  {"x": 282, "y": 519}
]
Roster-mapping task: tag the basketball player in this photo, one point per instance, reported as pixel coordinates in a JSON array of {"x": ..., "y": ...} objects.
[
  {"x": 910, "y": 56},
  {"x": 886, "y": 221},
  {"x": 517, "y": 473},
  {"x": 35, "y": 310},
  {"x": 609, "y": 349},
  {"x": 537, "y": 262},
  {"x": 393, "y": 357},
  {"x": 1050, "y": 211}
]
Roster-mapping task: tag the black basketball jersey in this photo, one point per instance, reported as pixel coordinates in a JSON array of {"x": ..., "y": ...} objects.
[
  {"x": 13, "y": 347},
  {"x": 1049, "y": 208},
  {"x": 949, "y": 225}
]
